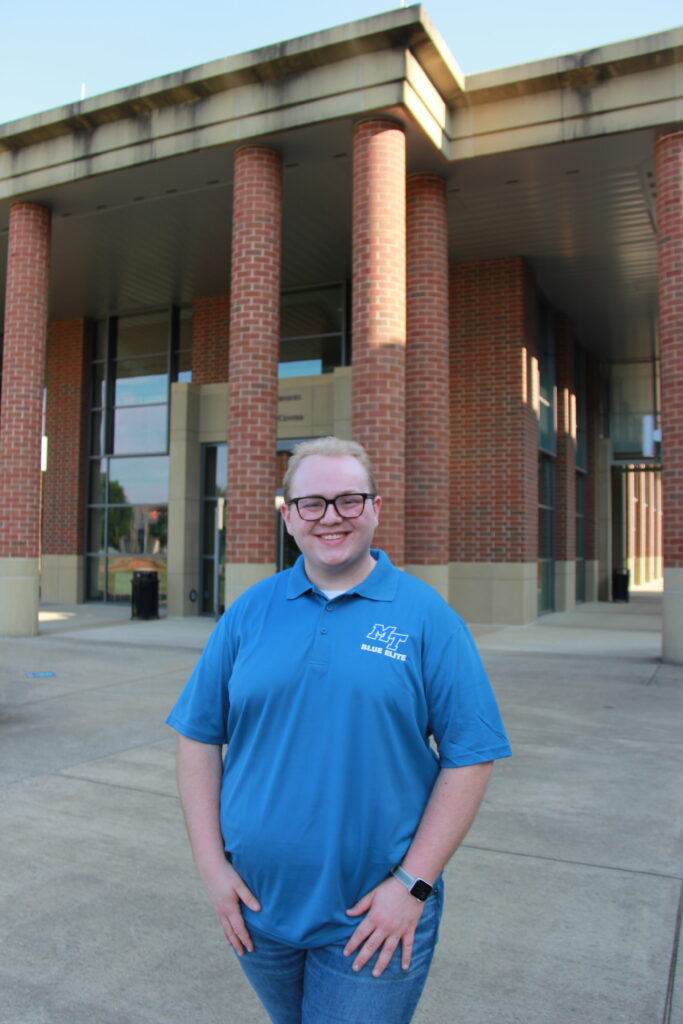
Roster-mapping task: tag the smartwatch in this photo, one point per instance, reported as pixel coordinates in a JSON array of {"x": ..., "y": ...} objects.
[{"x": 417, "y": 887}]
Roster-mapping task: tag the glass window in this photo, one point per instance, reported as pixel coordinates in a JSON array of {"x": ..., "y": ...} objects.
[
  {"x": 119, "y": 576},
  {"x": 96, "y": 529},
  {"x": 181, "y": 354},
  {"x": 141, "y": 381},
  {"x": 313, "y": 331},
  {"x": 95, "y": 578},
  {"x": 546, "y": 535},
  {"x": 300, "y": 368},
  {"x": 633, "y": 396},
  {"x": 142, "y": 428},
  {"x": 139, "y": 481},
  {"x": 128, "y": 485},
  {"x": 97, "y": 494},
  {"x": 184, "y": 374},
  {"x": 143, "y": 334},
  {"x": 209, "y": 528},
  {"x": 215, "y": 470},
  {"x": 137, "y": 529},
  {"x": 312, "y": 311},
  {"x": 581, "y": 410},
  {"x": 580, "y": 537},
  {"x": 547, "y": 390},
  {"x": 312, "y": 355}
]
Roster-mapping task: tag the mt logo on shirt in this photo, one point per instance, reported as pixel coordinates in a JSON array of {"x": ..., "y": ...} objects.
[{"x": 389, "y": 636}]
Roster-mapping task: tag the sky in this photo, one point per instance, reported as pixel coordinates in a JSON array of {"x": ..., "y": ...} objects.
[{"x": 53, "y": 51}]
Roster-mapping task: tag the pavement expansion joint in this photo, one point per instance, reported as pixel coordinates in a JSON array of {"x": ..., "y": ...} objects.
[
  {"x": 642, "y": 872},
  {"x": 65, "y": 773},
  {"x": 675, "y": 946}
]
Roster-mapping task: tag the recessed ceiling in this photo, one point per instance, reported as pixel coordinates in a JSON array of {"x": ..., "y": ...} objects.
[{"x": 581, "y": 213}]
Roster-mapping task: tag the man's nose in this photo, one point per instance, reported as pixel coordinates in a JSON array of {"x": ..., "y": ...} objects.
[{"x": 331, "y": 514}]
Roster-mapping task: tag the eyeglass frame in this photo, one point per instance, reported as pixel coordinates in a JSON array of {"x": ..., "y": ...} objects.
[{"x": 333, "y": 502}]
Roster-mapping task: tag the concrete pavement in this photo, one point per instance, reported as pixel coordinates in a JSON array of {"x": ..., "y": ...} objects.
[{"x": 563, "y": 905}]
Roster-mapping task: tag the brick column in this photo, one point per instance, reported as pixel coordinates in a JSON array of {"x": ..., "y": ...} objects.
[
  {"x": 64, "y": 482},
  {"x": 669, "y": 172},
  {"x": 427, "y": 414},
  {"x": 565, "y": 470},
  {"x": 21, "y": 406},
  {"x": 253, "y": 364},
  {"x": 494, "y": 441},
  {"x": 379, "y": 316}
]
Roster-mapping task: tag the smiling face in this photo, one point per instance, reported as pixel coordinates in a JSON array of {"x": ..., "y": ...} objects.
[{"x": 336, "y": 551}]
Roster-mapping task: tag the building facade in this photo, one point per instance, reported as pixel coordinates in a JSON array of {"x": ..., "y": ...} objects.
[{"x": 478, "y": 277}]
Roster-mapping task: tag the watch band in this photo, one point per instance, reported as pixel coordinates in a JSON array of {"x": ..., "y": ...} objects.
[{"x": 417, "y": 887}]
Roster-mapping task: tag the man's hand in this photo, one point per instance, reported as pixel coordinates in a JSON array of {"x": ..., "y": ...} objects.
[
  {"x": 391, "y": 916},
  {"x": 227, "y": 891},
  {"x": 199, "y": 769}
]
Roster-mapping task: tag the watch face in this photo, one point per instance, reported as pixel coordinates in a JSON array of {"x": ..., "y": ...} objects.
[{"x": 421, "y": 890}]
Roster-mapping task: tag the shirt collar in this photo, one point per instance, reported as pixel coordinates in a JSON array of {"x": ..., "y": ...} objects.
[{"x": 380, "y": 585}]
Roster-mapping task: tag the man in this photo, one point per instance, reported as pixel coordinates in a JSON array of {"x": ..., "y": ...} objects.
[{"x": 322, "y": 837}]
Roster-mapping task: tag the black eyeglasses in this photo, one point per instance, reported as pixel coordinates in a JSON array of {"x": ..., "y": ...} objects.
[{"x": 314, "y": 507}]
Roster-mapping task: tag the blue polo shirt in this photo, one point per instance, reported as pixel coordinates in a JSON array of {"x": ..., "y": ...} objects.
[{"x": 327, "y": 707}]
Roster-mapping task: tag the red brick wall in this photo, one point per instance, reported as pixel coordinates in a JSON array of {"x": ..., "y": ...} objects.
[
  {"x": 494, "y": 429},
  {"x": 254, "y": 350},
  {"x": 379, "y": 316},
  {"x": 64, "y": 483},
  {"x": 210, "y": 339},
  {"x": 669, "y": 172},
  {"x": 565, "y": 461},
  {"x": 21, "y": 405},
  {"x": 427, "y": 413}
]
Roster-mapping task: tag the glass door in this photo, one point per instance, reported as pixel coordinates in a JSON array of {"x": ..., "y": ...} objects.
[
  {"x": 546, "y": 535},
  {"x": 580, "y": 537},
  {"x": 214, "y": 489}
]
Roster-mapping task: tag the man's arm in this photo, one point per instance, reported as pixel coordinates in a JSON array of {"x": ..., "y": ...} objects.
[
  {"x": 199, "y": 769},
  {"x": 391, "y": 912}
]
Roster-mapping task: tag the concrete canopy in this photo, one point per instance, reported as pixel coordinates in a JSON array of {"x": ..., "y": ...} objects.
[{"x": 553, "y": 161}]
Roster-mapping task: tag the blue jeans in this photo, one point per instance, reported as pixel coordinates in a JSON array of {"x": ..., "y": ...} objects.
[{"x": 317, "y": 986}]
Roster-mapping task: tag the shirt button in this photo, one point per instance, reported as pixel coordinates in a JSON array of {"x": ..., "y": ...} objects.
[
  {"x": 328, "y": 607},
  {"x": 323, "y": 631}
]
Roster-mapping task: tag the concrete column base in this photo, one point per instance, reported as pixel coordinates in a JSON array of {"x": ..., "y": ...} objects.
[
  {"x": 672, "y": 617},
  {"x": 593, "y": 581},
  {"x": 19, "y": 582},
  {"x": 496, "y": 592},
  {"x": 62, "y": 579},
  {"x": 435, "y": 575},
  {"x": 565, "y": 586},
  {"x": 239, "y": 576}
]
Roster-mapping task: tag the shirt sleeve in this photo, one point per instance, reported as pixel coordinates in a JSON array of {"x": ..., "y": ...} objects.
[
  {"x": 463, "y": 713},
  {"x": 201, "y": 711}
]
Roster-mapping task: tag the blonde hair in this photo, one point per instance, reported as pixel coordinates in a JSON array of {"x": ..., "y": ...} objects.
[{"x": 334, "y": 446}]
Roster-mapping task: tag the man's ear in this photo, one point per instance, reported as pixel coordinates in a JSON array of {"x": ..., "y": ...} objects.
[
  {"x": 284, "y": 512},
  {"x": 377, "y": 504}
]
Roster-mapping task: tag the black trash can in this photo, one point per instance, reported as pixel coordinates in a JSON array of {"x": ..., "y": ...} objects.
[
  {"x": 620, "y": 581},
  {"x": 145, "y": 594}
]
